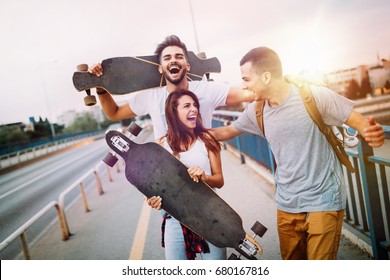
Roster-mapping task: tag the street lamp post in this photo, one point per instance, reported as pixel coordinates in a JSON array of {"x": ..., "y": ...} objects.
[
  {"x": 194, "y": 26},
  {"x": 53, "y": 132}
]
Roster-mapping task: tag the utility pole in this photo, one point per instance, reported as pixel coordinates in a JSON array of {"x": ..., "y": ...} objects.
[
  {"x": 53, "y": 132},
  {"x": 194, "y": 26}
]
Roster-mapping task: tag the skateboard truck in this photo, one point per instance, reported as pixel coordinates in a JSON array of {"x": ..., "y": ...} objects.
[
  {"x": 249, "y": 246},
  {"x": 123, "y": 146},
  {"x": 89, "y": 100}
]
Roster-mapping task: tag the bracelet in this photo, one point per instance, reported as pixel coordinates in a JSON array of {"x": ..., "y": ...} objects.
[{"x": 100, "y": 91}]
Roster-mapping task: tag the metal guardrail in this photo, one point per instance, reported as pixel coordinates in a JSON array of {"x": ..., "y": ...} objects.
[
  {"x": 21, "y": 231},
  {"x": 60, "y": 207},
  {"x": 368, "y": 203},
  {"x": 29, "y": 153},
  {"x": 10, "y": 149},
  {"x": 16, "y": 157},
  {"x": 368, "y": 209}
]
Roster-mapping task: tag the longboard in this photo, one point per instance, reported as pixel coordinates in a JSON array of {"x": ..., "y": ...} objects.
[
  {"x": 123, "y": 75},
  {"x": 155, "y": 172}
]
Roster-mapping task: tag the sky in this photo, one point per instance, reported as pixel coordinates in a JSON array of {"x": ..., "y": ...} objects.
[{"x": 42, "y": 41}]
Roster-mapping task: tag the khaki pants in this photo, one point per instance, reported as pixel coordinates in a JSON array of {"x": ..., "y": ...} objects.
[{"x": 309, "y": 236}]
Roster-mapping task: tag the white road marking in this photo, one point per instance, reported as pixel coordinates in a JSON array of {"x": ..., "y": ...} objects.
[{"x": 137, "y": 249}]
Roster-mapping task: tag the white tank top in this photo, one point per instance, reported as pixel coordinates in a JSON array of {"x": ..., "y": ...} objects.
[{"x": 196, "y": 155}]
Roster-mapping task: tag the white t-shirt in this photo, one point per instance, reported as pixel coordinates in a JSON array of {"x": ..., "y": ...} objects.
[
  {"x": 197, "y": 155},
  {"x": 152, "y": 101}
]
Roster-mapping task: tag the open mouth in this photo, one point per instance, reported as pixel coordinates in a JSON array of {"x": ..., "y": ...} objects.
[
  {"x": 192, "y": 118},
  {"x": 174, "y": 69}
]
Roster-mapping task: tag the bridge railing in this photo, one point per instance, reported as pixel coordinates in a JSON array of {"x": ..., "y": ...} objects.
[
  {"x": 21, "y": 231},
  {"x": 368, "y": 212},
  {"x": 60, "y": 207},
  {"x": 30, "y": 151}
]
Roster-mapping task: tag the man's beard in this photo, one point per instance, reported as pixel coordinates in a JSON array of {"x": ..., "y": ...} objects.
[{"x": 175, "y": 81}]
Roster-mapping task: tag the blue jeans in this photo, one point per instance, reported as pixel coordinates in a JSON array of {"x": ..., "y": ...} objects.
[{"x": 175, "y": 248}]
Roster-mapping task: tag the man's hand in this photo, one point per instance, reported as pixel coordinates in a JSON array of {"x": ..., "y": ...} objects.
[
  {"x": 96, "y": 70},
  {"x": 374, "y": 133},
  {"x": 154, "y": 202}
]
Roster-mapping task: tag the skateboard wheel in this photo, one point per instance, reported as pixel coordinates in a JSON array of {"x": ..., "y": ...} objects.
[
  {"x": 233, "y": 257},
  {"x": 89, "y": 100},
  {"x": 134, "y": 129},
  {"x": 82, "y": 67},
  {"x": 110, "y": 159},
  {"x": 259, "y": 229}
]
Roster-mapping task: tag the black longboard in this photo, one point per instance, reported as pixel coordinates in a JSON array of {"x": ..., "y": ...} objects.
[
  {"x": 123, "y": 75},
  {"x": 155, "y": 172}
]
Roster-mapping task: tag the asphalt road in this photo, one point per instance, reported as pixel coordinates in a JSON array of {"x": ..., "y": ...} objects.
[{"x": 25, "y": 191}]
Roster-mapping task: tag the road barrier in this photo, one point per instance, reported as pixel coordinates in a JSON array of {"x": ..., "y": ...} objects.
[
  {"x": 60, "y": 208},
  {"x": 21, "y": 232},
  {"x": 29, "y": 153}
]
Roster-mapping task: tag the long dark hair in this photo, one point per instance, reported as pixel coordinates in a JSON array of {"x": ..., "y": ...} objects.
[{"x": 179, "y": 137}]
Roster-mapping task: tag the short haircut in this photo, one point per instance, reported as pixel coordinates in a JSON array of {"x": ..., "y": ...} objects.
[
  {"x": 171, "y": 40},
  {"x": 264, "y": 59}
]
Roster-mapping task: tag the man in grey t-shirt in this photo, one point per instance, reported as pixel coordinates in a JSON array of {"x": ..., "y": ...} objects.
[{"x": 310, "y": 194}]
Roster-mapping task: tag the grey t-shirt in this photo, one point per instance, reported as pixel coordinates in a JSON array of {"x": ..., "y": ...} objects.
[{"x": 309, "y": 176}]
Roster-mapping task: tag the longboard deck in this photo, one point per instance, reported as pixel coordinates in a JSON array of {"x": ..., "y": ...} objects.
[
  {"x": 123, "y": 75},
  {"x": 155, "y": 172}
]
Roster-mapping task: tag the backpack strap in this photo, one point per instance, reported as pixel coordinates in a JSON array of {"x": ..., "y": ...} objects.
[
  {"x": 259, "y": 107},
  {"x": 312, "y": 109},
  {"x": 259, "y": 115}
]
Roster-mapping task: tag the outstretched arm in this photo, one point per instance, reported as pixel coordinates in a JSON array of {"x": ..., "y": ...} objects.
[
  {"x": 225, "y": 132},
  {"x": 237, "y": 95},
  {"x": 369, "y": 129}
]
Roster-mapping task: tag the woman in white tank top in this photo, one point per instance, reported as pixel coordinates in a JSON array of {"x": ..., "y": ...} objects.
[{"x": 192, "y": 144}]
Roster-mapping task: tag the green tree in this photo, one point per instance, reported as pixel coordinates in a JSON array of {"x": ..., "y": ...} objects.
[
  {"x": 41, "y": 130},
  {"x": 106, "y": 123},
  {"x": 12, "y": 135}
]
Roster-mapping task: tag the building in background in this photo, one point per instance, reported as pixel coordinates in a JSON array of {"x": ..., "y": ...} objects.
[
  {"x": 359, "y": 82},
  {"x": 379, "y": 76},
  {"x": 349, "y": 82}
]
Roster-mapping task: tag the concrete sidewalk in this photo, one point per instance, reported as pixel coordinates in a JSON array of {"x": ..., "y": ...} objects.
[{"x": 120, "y": 226}]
